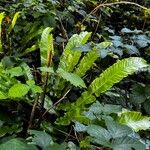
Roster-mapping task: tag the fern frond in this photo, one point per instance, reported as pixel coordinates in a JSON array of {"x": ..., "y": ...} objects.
[
  {"x": 2, "y": 15},
  {"x": 46, "y": 45},
  {"x": 69, "y": 57},
  {"x": 87, "y": 62},
  {"x": 73, "y": 78},
  {"x": 116, "y": 73},
  {"x": 105, "y": 81},
  {"x": 11, "y": 27}
]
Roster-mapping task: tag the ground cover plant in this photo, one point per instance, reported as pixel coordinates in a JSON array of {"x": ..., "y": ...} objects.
[{"x": 74, "y": 75}]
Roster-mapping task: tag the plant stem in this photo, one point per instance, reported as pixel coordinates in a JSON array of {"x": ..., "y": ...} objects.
[{"x": 33, "y": 111}]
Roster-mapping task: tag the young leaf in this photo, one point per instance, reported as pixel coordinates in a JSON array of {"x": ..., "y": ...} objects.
[
  {"x": 46, "y": 45},
  {"x": 16, "y": 16},
  {"x": 29, "y": 50},
  {"x": 116, "y": 73},
  {"x": 70, "y": 58},
  {"x": 16, "y": 144},
  {"x": 86, "y": 62},
  {"x": 71, "y": 77},
  {"x": 134, "y": 120},
  {"x": 18, "y": 90},
  {"x": 2, "y": 15}
]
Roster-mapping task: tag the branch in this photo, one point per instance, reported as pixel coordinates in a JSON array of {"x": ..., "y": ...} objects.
[{"x": 111, "y": 4}]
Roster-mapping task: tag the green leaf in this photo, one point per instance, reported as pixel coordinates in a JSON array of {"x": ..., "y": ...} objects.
[
  {"x": 138, "y": 94},
  {"x": 16, "y": 144},
  {"x": 3, "y": 95},
  {"x": 116, "y": 130},
  {"x": 33, "y": 87},
  {"x": 16, "y": 16},
  {"x": 86, "y": 62},
  {"x": 104, "y": 45},
  {"x": 29, "y": 50},
  {"x": 46, "y": 45},
  {"x": 147, "y": 106},
  {"x": 18, "y": 90},
  {"x": 134, "y": 120},
  {"x": 2, "y": 15},
  {"x": 70, "y": 58},
  {"x": 131, "y": 49},
  {"x": 74, "y": 79},
  {"x": 127, "y": 143},
  {"x": 116, "y": 73},
  {"x": 98, "y": 108},
  {"x": 40, "y": 138},
  {"x": 15, "y": 71},
  {"x": 55, "y": 146},
  {"x": 47, "y": 69},
  {"x": 100, "y": 135}
]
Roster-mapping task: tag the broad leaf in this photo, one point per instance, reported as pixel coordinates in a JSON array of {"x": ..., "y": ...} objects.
[
  {"x": 40, "y": 138},
  {"x": 116, "y": 73},
  {"x": 138, "y": 94},
  {"x": 16, "y": 144},
  {"x": 100, "y": 135},
  {"x": 71, "y": 77},
  {"x": 55, "y": 146},
  {"x": 18, "y": 90},
  {"x": 134, "y": 120},
  {"x": 15, "y": 72},
  {"x": 127, "y": 143},
  {"x": 46, "y": 45},
  {"x": 116, "y": 130}
]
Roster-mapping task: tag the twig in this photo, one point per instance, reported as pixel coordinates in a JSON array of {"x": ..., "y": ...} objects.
[
  {"x": 56, "y": 103},
  {"x": 111, "y": 4},
  {"x": 33, "y": 111}
]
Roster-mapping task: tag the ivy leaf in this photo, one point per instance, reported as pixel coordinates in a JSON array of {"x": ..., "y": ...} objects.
[
  {"x": 127, "y": 143},
  {"x": 138, "y": 94},
  {"x": 71, "y": 77},
  {"x": 134, "y": 120},
  {"x": 126, "y": 30},
  {"x": 131, "y": 49},
  {"x": 100, "y": 135},
  {"x": 16, "y": 144},
  {"x": 147, "y": 106},
  {"x": 117, "y": 130},
  {"x": 40, "y": 138},
  {"x": 18, "y": 90}
]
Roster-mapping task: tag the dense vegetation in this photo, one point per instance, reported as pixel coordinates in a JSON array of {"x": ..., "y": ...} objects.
[{"x": 74, "y": 74}]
